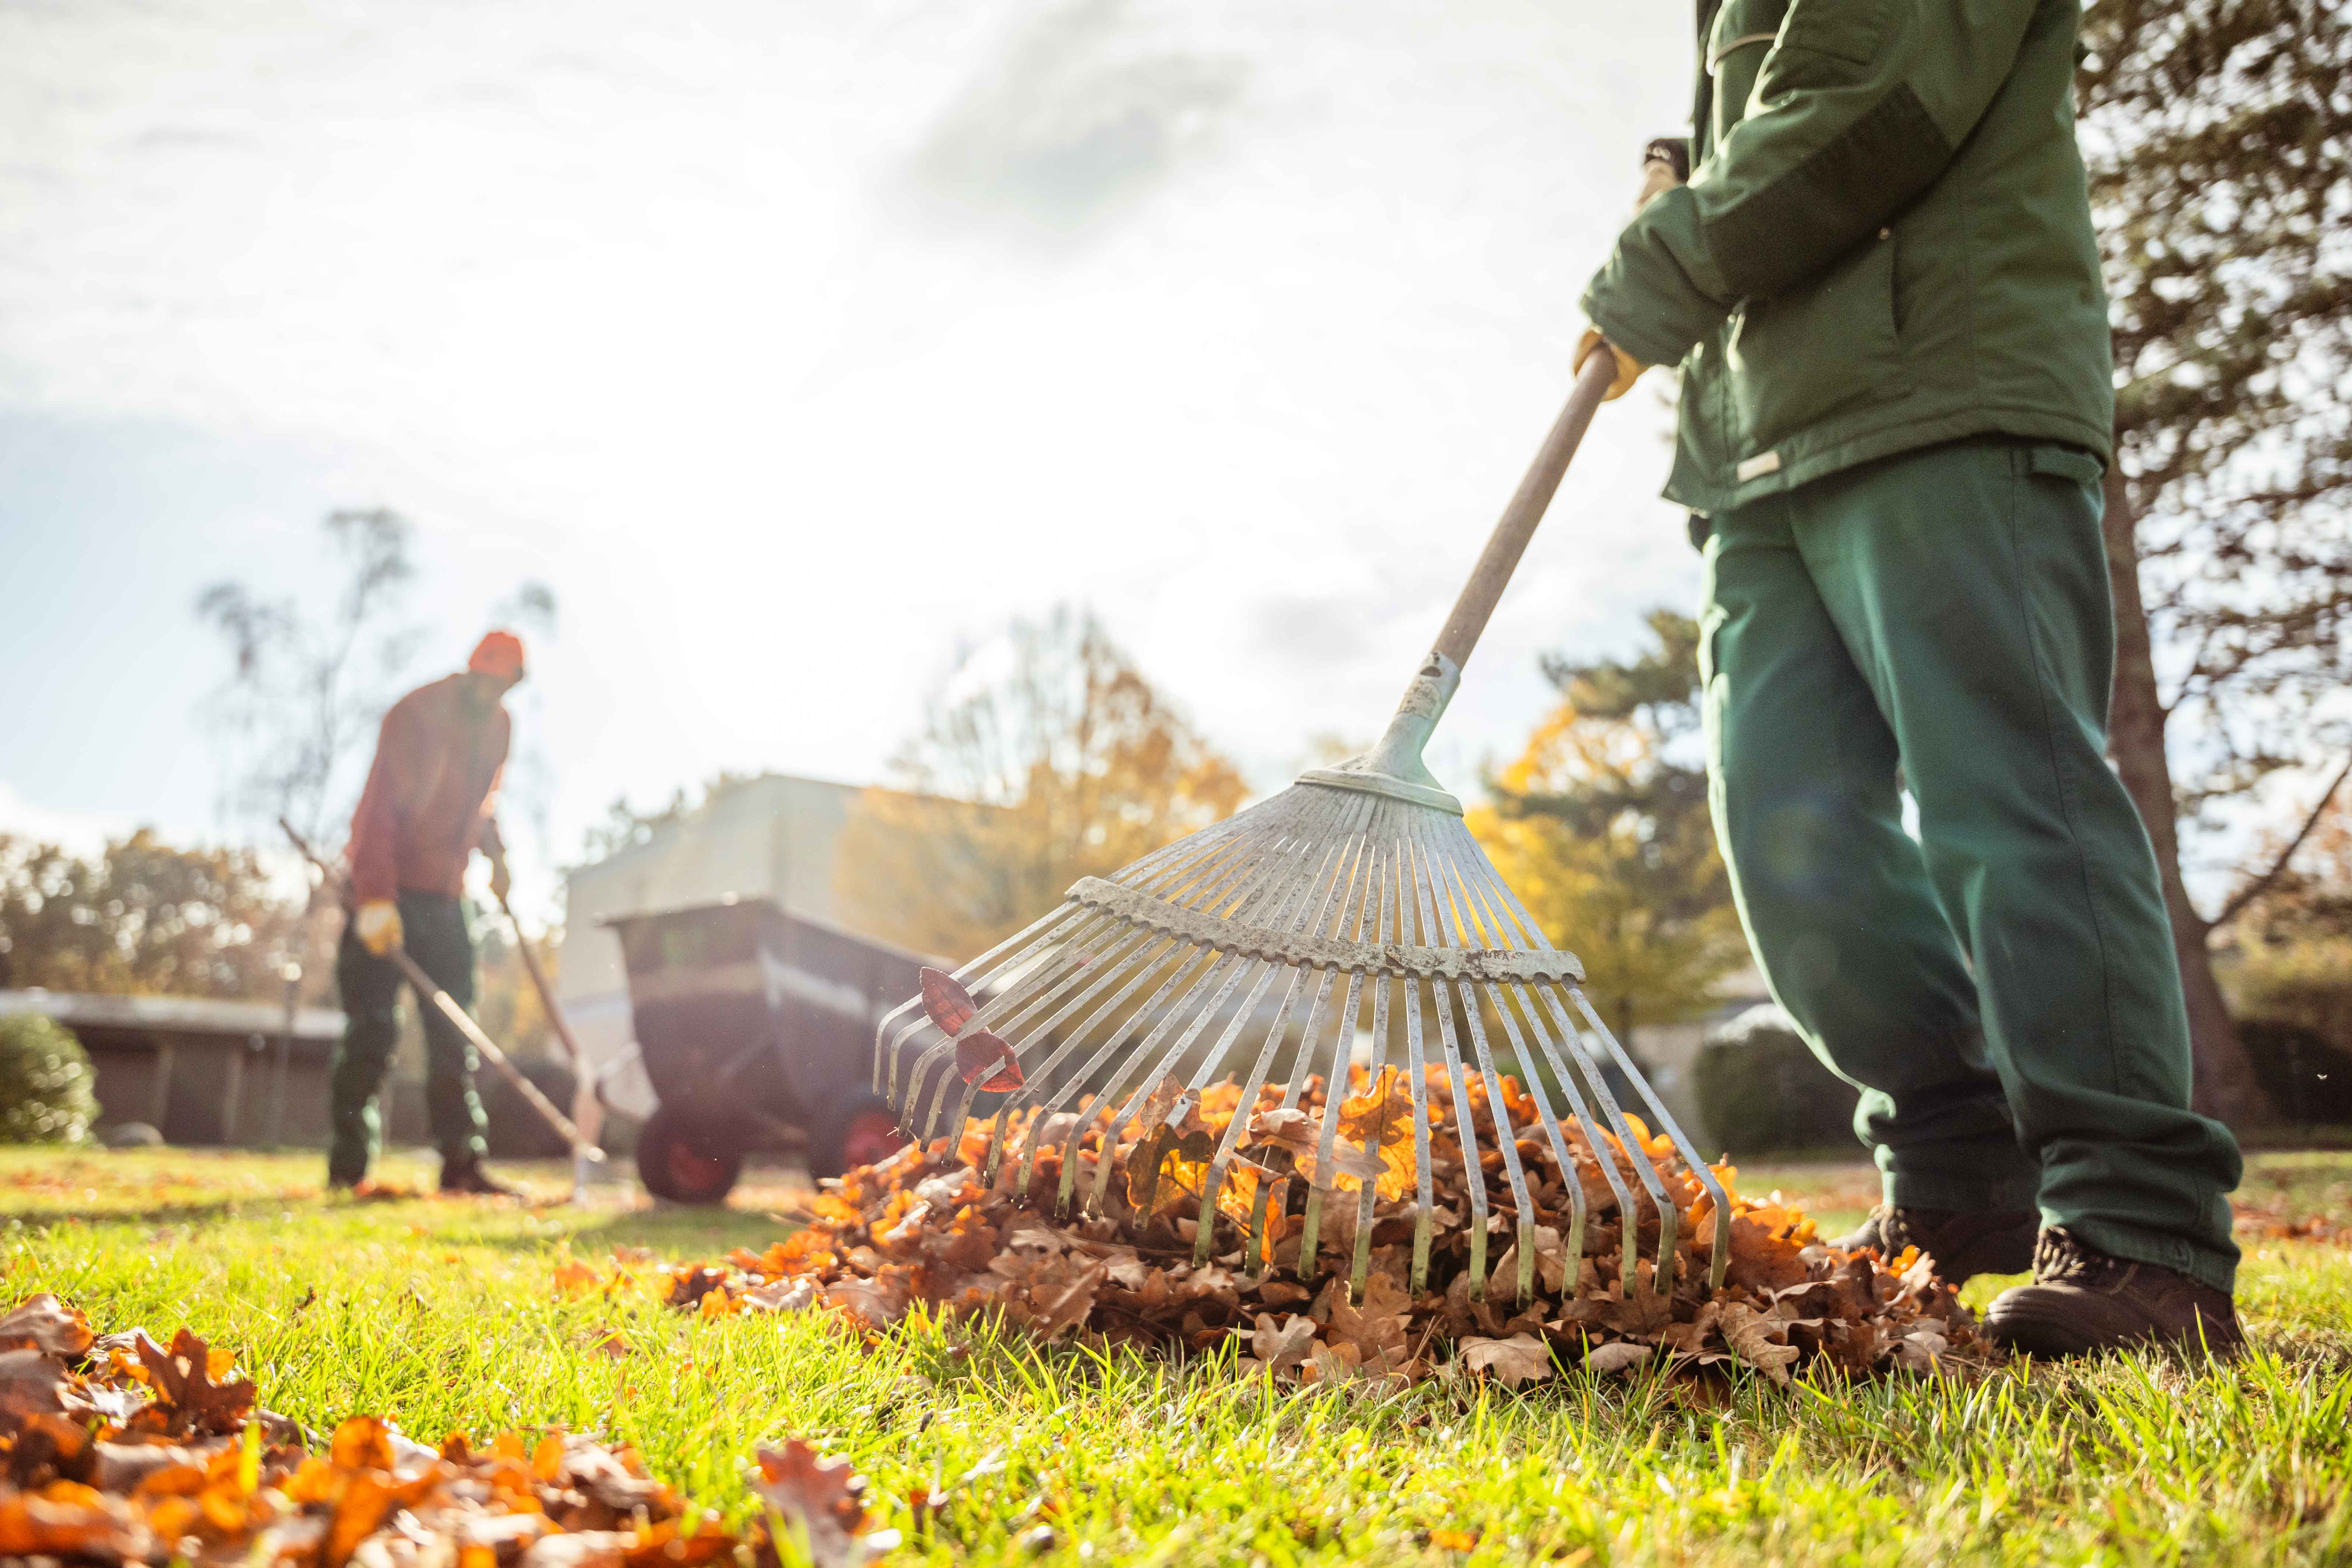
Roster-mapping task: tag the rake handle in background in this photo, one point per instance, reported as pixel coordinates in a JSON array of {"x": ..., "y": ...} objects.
[
  {"x": 1517, "y": 524},
  {"x": 464, "y": 1024},
  {"x": 584, "y": 1101}
]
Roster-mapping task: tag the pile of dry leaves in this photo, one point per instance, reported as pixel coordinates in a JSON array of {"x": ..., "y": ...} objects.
[
  {"x": 114, "y": 1449},
  {"x": 925, "y": 1230}
]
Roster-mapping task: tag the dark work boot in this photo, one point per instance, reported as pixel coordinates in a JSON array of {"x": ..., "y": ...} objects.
[
  {"x": 467, "y": 1176},
  {"x": 2083, "y": 1300},
  {"x": 1960, "y": 1243}
]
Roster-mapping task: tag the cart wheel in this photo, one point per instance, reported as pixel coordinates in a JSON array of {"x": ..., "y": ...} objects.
[
  {"x": 860, "y": 1131},
  {"x": 684, "y": 1162}
]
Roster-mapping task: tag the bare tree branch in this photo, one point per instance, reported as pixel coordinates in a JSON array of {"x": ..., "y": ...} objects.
[{"x": 2254, "y": 888}]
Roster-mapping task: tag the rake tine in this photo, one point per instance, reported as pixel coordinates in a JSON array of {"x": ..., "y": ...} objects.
[
  {"x": 1044, "y": 936},
  {"x": 1232, "y": 970},
  {"x": 1343, "y": 1034},
  {"x": 1034, "y": 993},
  {"x": 1425, "y": 1191},
  {"x": 1035, "y": 974},
  {"x": 1424, "y": 1217},
  {"x": 1348, "y": 921},
  {"x": 1506, "y": 1135},
  {"x": 1212, "y": 1185},
  {"x": 1101, "y": 971},
  {"x": 1184, "y": 959},
  {"x": 969, "y": 974},
  {"x": 1573, "y": 1245},
  {"x": 1719, "y": 1250},
  {"x": 1636, "y": 1154},
  {"x": 1360, "y": 1271},
  {"x": 1231, "y": 867},
  {"x": 1479, "y": 920}
]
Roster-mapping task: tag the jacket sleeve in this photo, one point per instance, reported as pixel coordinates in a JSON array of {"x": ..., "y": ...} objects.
[
  {"x": 374, "y": 869},
  {"x": 484, "y": 833},
  {"x": 1857, "y": 107}
]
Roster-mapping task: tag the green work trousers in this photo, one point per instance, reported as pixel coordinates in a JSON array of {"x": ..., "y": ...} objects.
[
  {"x": 2002, "y": 988},
  {"x": 433, "y": 929}
]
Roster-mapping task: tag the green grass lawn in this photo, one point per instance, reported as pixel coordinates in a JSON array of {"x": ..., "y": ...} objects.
[{"x": 443, "y": 1315}]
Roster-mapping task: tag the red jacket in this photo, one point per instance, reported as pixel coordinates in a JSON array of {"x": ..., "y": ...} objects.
[{"x": 436, "y": 767}]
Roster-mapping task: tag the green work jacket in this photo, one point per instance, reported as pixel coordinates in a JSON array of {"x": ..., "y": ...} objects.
[{"x": 1886, "y": 243}]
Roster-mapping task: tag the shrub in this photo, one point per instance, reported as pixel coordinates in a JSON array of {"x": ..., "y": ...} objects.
[
  {"x": 46, "y": 1094},
  {"x": 2307, "y": 1075},
  {"x": 1760, "y": 1089}
]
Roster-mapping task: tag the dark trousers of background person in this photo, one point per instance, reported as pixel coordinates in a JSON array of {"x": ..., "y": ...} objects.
[{"x": 434, "y": 931}]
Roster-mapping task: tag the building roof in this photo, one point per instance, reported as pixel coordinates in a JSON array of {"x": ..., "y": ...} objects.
[{"x": 174, "y": 1015}]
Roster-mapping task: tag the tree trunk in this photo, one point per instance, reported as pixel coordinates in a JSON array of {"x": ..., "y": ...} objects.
[{"x": 2224, "y": 1082}]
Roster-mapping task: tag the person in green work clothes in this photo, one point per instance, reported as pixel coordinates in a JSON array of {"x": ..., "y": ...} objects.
[
  {"x": 425, "y": 810},
  {"x": 1880, "y": 282}
]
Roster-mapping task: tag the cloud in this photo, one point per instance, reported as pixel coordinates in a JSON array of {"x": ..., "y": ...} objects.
[
  {"x": 1079, "y": 115},
  {"x": 1316, "y": 632}
]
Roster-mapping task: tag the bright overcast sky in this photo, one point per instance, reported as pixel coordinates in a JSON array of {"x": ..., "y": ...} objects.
[{"x": 792, "y": 343}]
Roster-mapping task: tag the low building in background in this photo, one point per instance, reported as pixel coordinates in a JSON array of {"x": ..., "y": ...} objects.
[{"x": 201, "y": 1071}]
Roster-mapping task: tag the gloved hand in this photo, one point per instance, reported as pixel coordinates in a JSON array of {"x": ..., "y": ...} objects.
[
  {"x": 1629, "y": 369},
  {"x": 494, "y": 844},
  {"x": 1665, "y": 164},
  {"x": 378, "y": 926}
]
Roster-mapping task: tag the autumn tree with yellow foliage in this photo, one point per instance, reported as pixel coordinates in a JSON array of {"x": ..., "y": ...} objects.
[
  {"x": 1601, "y": 828},
  {"x": 1046, "y": 757}
]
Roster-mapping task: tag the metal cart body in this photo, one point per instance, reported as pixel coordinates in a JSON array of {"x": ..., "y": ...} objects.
[{"x": 755, "y": 1028}]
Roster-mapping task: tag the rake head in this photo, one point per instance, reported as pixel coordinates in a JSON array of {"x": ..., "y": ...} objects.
[
  {"x": 1350, "y": 916},
  {"x": 1340, "y": 921}
]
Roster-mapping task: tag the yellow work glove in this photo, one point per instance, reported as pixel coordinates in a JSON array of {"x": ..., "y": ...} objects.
[
  {"x": 1629, "y": 369},
  {"x": 1662, "y": 170},
  {"x": 378, "y": 926}
]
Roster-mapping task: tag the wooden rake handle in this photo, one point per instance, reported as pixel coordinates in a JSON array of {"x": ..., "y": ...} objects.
[
  {"x": 1518, "y": 525},
  {"x": 531, "y": 1093}
]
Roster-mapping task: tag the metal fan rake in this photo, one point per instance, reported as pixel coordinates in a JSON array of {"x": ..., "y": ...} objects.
[{"x": 1355, "y": 898}]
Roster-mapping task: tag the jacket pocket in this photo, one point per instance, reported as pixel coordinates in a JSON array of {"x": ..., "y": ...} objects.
[
  {"x": 1826, "y": 43},
  {"x": 1800, "y": 357}
]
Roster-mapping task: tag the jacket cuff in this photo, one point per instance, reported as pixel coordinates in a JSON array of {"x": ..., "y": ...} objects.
[{"x": 1660, "y": 291}]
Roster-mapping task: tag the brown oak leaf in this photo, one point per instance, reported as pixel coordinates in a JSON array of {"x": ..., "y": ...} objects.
[
  {"x": 1617, "y": 1356},
  {"x": 1284, "y": 1343},
  {"x": 1375, "y": 1140},
  {"x": 71, "y": 1522},
  {"x": 1750, "y": 1335},
  {"x": 33, "y": 1384},
  {"x": 190, "y": 1398},
  {"x": 1522, "y": 1358},
  {"x": 1766, "y": 1248},
  {"x": 1064, "y": 1300},
  {"x": 1641, "y": 1311},
  {"x": 823, "y": 1499},
  {"x": 1377, "y": 1326},
  {"x": 43, "y": 1323}
]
